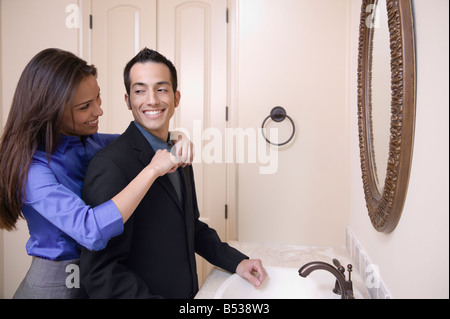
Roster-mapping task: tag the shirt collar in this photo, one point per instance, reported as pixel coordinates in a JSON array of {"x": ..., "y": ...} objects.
[
  {"x": 66, "y": 140},
  {"x": 155, "y": 142}
]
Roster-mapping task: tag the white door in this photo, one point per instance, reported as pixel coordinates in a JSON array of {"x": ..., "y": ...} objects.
[
  {"x": 120, "y": 29},
  {"x": 193, "y": 35}
]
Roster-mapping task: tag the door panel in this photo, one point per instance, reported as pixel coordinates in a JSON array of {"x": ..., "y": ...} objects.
[
  {"x": 193, "y": 35},
  {"x": 120, "y": 30}
]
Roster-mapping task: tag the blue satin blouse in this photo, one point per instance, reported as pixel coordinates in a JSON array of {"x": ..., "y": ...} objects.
[{"x": 59, "y": 221}]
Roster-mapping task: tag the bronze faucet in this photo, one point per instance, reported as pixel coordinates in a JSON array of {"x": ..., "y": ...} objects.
[{"x": 342, "y": 287}]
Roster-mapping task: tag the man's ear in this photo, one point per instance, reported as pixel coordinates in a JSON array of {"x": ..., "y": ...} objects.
[
  {"x": 127, "y": 100},
  {"x": 177, "y": 98}
]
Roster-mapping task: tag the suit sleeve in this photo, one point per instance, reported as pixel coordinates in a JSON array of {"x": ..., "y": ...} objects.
[
  {"x": 104, "y": 274},
  {"x": 207, "y": 241},
  {"x": 220, "y": 254}
]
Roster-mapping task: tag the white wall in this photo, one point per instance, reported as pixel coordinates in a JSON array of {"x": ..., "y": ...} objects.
[
  {"x": 414, "y": 259},
  {"x": 293, "y": 53},
  {"x": 27, "y": 26},
  {"x": 37, "y": 25}
]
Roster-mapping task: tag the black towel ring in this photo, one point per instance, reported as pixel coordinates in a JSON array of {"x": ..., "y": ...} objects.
[{"x": 278, "y": 114}]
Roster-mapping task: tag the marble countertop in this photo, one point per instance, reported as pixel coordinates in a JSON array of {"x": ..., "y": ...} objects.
[{"x": 279, "y": 255}]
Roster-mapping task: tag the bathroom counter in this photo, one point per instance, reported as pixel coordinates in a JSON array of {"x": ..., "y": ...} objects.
[{"x": 279, "y": 255}]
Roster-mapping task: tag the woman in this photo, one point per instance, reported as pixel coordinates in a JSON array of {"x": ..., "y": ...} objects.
[{"x": 49, "y": 138}]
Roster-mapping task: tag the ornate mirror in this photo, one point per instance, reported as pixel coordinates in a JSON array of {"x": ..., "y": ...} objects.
[{"x": 386, "y": 107}]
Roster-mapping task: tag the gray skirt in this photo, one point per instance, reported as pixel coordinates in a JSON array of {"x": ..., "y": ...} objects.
[{"x": 47, "y": 279}]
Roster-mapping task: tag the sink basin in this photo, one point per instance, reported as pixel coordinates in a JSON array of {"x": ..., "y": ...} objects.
[{"x": 282, "y": 283}]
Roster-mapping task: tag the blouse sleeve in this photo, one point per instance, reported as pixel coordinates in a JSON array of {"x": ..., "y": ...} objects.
[{"x": 91, "y": 227}]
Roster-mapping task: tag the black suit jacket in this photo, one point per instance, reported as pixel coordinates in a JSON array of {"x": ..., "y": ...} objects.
[{"x": 155, "y": 255}]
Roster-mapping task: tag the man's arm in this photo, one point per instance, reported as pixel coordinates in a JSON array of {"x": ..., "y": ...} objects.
[{"x": 209, "y": 246}]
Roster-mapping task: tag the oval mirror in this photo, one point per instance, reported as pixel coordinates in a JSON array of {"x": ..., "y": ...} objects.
[{"x": 386, "y": 107}]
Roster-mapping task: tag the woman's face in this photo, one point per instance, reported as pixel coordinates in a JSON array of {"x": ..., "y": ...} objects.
[{"x": 82, "y": 117}]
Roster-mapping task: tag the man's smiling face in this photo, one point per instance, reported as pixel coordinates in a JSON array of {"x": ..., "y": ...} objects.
[{"x": 152, "y": 100}]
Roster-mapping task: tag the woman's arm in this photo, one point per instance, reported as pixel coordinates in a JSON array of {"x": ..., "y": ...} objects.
[
  {"x": 182, "y": 154},
  {"x": 92, "y": 226},
  {"x": 129, "y": 198}
]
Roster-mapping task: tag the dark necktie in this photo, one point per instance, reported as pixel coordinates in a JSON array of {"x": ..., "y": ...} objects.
[{"x": 175, "y": 177}]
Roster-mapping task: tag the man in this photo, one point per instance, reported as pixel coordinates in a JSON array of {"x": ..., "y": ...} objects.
[{"x": 155, "y": 255}]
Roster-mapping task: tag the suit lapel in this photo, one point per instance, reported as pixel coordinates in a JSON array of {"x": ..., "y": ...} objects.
[{"x": 146, "y": 153}]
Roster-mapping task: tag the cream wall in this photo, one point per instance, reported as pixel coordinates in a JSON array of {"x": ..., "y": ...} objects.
[
  {"x": 293, "y": 53},
  {"x": 414, "y": 259},
  {"x": 35, "y": 29}
]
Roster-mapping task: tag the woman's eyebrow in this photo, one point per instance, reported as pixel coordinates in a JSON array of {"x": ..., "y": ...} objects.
[
  {"x": 84, "y": 103},
  {"x": 88, "y": 101}
]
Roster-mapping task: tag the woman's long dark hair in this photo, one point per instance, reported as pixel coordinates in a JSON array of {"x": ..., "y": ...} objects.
[{"x": 45, "y": 88}]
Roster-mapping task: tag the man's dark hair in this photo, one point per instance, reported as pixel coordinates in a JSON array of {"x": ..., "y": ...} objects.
[{"x": 150, "y": 56}]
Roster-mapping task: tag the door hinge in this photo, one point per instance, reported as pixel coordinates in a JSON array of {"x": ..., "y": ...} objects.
[
  {"x": 90, "y": 21},
  {"x": 226, "y": 211},
  {"x": 227, "y": 15}
]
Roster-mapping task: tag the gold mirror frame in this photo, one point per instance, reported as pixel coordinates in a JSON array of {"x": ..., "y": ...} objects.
[{"x": 385, "y": 208}]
